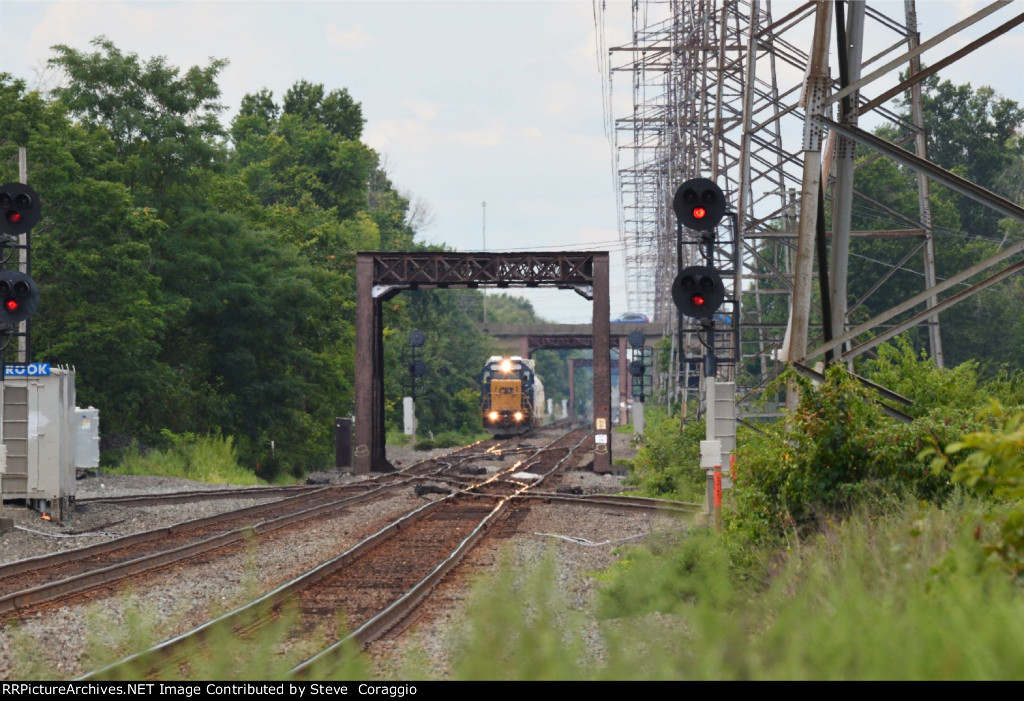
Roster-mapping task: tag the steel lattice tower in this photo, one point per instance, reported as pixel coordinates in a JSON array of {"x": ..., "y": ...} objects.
[{"x": 729, "y": 90}]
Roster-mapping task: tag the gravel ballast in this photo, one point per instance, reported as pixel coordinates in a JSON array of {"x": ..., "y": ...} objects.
[{"x": 180, "y": 598}]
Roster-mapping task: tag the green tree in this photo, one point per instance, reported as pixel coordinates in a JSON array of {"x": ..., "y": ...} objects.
[
  {"x": 163, "y": 123},
  {"x": 102, "y": 309},
  {"x": 307, "y": 151},
  {"x": 336, "y": 110},
  {"x": 250, "y": 334},
  {"x": 202, "y": 285},
  {"x": 509, "y": 309},
  {"x": 975, "y": 132},
  {"x": 454, "y": 353},
  {"x": 390, "y": 211}
]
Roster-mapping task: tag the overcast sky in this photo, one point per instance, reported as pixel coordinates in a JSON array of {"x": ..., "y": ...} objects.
[{"x": 468, "y": 102}]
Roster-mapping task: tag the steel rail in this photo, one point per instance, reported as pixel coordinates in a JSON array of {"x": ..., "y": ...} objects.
[
  {"x": 243, "y": 492},
  {"x": 86, "y": 581},
  {"x": 197, "y": 495},
  {"x": 408, "y": 602},
  {"x": 615, "y": 501},
  {"x": 89, "y": 551},
  {"x": 251, "y": 613},
  {"x": 244, "y": 615}
]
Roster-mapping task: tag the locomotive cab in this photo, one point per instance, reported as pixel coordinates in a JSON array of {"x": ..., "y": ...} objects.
[{"x": 507, "y": 395}]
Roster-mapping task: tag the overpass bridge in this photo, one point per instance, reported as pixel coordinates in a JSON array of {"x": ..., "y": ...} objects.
[{"x": 524, "y": 339}]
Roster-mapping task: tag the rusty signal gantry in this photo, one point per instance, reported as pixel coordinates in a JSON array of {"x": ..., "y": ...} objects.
[{"x": 380, "y": 276}]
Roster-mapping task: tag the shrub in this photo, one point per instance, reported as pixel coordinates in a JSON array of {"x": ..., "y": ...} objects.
[
  {"x": 667, "y": 462},
  {"x": 811, "y": 464},
  {"x": 397, "y": 438},
  {"x": 866, "y": 599},
  {"x": 993, "y": 466},
  {"x": 895, "y": 452},
  {"x": 202, "y": 458},
  {"x": 666, "y": 576},
  {"x": 916, "y": 377},
  {"x": 520, "y": 627},
  {"x": 835, "y": 451}
]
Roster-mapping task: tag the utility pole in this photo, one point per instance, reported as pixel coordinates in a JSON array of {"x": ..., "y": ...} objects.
[
  {"x": 23, "y": 347},
  {"x": 484, "y": 234},
  {"x": 923, "y": 184}
]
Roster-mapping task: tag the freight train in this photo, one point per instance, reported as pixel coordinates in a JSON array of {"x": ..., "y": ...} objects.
[{"x": 511, "y": 396}]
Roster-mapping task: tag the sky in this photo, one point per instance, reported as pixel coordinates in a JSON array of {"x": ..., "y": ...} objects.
[{"x": 472, "y": 102}]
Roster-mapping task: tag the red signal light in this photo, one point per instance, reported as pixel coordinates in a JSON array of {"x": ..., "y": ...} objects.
[
  {"x": 698, "y": 291},
  {"x": 699, "y": 204},
  {"x": 19, "y": 297},
  {"x": 20, "y": 206}
]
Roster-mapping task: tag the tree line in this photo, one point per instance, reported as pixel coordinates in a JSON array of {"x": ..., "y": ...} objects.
[
  {"x": 977, "y": 134},
  {"x": 200, "y": 276}
]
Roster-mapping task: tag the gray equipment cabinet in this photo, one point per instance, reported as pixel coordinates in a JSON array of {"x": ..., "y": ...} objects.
[
  {"x": 39, "y": 428},
  {"x": 87, "y": 439}
]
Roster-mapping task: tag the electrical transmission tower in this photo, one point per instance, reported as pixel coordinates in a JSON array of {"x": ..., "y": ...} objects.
[{"x": 768, "y": 104}]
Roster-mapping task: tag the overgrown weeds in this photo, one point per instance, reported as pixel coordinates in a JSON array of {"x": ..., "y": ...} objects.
[
  {"x": 210, "y": 459},
  {"x": 901, "y": 597},
  {"x": 668, "y": 460},
  {"x": 993, "y": 466}
]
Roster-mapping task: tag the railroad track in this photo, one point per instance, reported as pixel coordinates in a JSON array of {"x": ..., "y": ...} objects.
[
  {"x": 380, "y": 582},
  {"x": 49, "y": 580},
  {"x": 381, "y": 579},
  {"x": 453, "y": 480},
  {"x": 192, "y": 496}
]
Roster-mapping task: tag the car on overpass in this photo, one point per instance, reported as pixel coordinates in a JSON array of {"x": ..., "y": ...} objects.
[{"x": 631, "y": 318}]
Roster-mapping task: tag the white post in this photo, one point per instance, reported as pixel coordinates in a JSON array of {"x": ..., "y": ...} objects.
[
  {"x": 638, "y": 418},
  {"x": 721, "y": 421},
  {"x": 409, "y": 417}
]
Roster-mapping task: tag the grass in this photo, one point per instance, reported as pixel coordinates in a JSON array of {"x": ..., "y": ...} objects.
[
  {"x": 903, "y": 597},
  {"x": 397, "y": 438},
  {"x": 211, "y": 459},
  {"x": 519, "y": 626}
]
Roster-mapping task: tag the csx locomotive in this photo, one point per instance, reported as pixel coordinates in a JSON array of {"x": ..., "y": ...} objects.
[{"x": 511, "y": 396}]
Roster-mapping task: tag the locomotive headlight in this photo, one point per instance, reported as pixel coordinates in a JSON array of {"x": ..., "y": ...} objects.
[
  {"x": 506, "y": 365},
  {"x": 518, "y": 416},
  {"x": 493, "y": 416}
]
